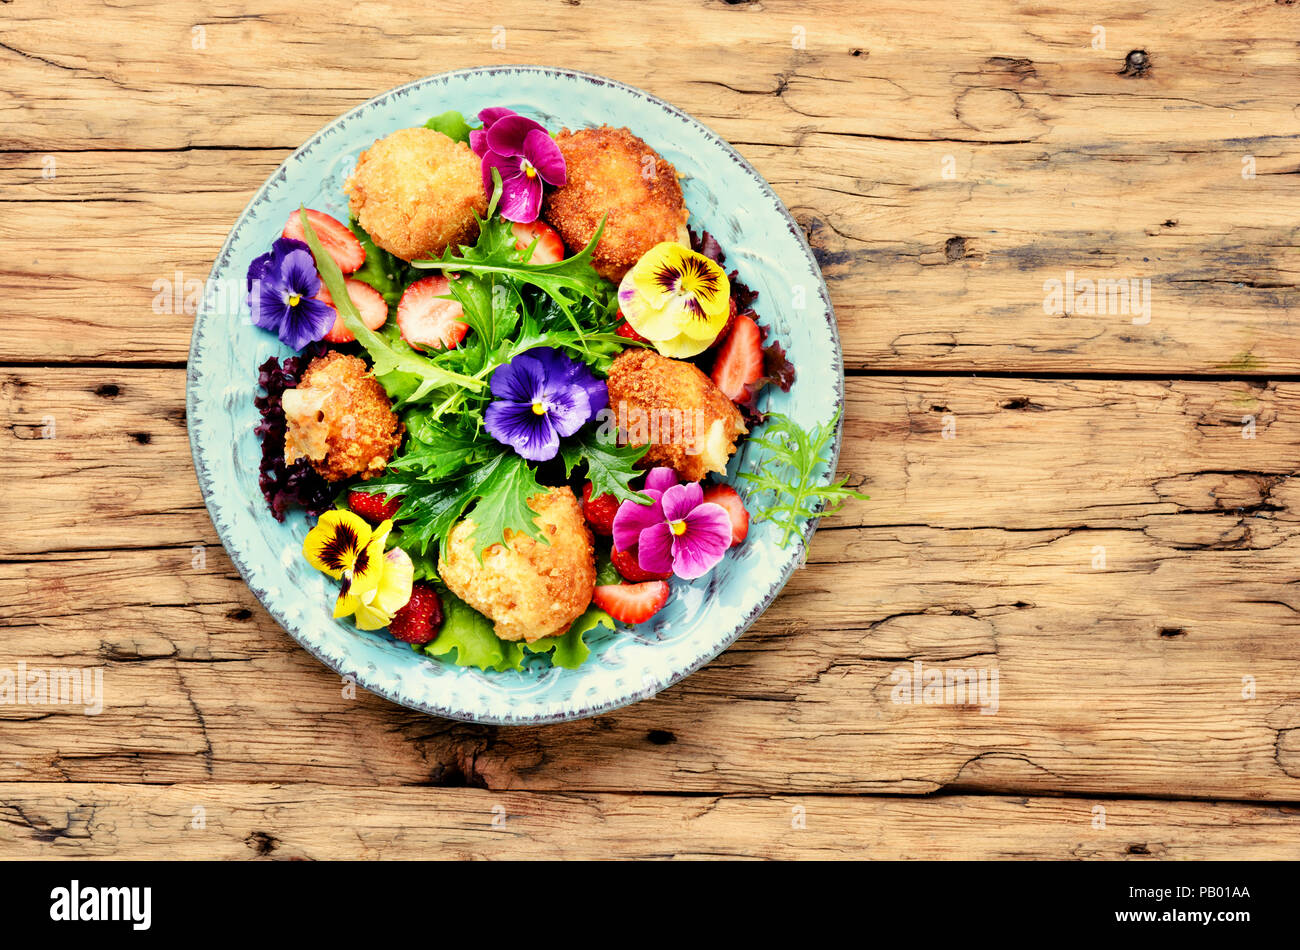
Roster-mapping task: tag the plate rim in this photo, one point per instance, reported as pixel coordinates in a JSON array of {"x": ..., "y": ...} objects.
[{"x": 205, "y": 480}]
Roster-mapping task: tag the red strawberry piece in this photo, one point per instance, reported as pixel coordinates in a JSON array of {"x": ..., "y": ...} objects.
[
  {"x": 631, "y": 603},
  {"x": 427, "y": 318},
  {"x": 625, "y": 329},
  {"x": 740, "y": 359},
  {"x": 730, "y": 499},
  {"x": 421, "y": 619},
  {"x": 549, "y": 249},
  {"x": 599, "y": 511},
  {"x": 374, "y": 508},
  {"x": 340, "y": 243},
  {"x": 369, "y": 302},
  {"x": 630, "y": 569}
]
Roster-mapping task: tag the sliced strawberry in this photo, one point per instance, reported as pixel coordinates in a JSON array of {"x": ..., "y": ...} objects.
[
  {"x": 420, "y": 621},
  {"x": 630, "y": 569},
  {"x": 369, "y": 302},
  {"x": 631, "y": 603},
  {"x": 740, "y": 359},
  {"x": 340, "y": 243},
  {"x": 374, "y": 508},
  {"x": 625, "y": 329},
  {"x": 599, "y": 511},
  {"x": 427, "y": 318},
  {"x": 729, "y": 498},
  {"x": 549, "y": 249}
]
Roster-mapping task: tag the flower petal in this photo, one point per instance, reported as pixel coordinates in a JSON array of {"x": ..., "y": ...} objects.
[
  {"x": 310, "y": 320},
  {"x": 332, "y": 546},
  {"x": 523, "y": 379},
  {"x": 267, "y": 303},
  {"x": 492, "y": 114},
  {"x": 298, "y": 271},
  {"x": 541, "y": 150},
  {"x": 654, "y": 551},
  {"x": 506, "y": 134},
  {"x": 521, "y": 199},
  {"x": 631, "y": 519},
  {"x": 682, "y": 346},
  {"x": 680, "y": 500},
  {"x": 507, "y": 165},
  {"x": 515, "y": 424},
  {"x": 567, "y": 409},
  {"x": 478, "y": 142},
  {"x": 660, "y": 479},
  {"x": 706, "y": 539}
]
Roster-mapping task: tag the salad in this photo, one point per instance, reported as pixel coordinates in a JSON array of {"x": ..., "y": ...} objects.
[{"x": 519, "y": 377}]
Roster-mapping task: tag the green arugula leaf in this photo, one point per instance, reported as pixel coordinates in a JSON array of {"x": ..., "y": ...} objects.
[
  {"x": 793, "y": 473},
  {"x": 566, "y": 281},
  {"x": 387, "y": 357},
  {"x": 451, "y": 124},
  {"x": 385, "y": 272},
  {"x": 610, "y": 466},
  {"x": 503, "y": 487}
]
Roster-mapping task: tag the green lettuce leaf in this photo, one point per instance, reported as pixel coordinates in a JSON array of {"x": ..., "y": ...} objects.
[
  {"x": 451, "y": 124},
  {"x": 470, "y": 635}
]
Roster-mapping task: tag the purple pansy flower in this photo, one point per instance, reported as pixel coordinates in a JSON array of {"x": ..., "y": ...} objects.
[
  {"x": 679, "y": 531},
  {"x": 542, "y": 396},
  {"x": 282, "y": 289},
  {"x": 525, "y": 155}
]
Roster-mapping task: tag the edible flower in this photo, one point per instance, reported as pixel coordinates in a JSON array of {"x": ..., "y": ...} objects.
[
  {"x": 524, "y": 154},
  {"x": 376, "y": 584},
  {"x": 676, "y": 298},
  {"x": 678, "y": 532},
  {"x": 282, "y": 289},
  {"x": 542, "y": 396}
]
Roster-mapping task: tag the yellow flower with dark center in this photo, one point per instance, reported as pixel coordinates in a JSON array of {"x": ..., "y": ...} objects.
[
  {"x": 676, "y": 298},
  {"x": 375, "y": 584}
]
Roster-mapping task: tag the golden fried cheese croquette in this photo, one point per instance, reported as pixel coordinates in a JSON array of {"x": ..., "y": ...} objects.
[
  {"x": 340, "y": 418},
  {"x": 528, "y": 588},
  {"x": 690, "y": 425},
  {"x": 416, "y": 191},
  {"x": 612, "y": 171}
]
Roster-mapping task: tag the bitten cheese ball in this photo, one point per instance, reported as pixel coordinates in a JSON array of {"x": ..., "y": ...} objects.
[
  {"x": 611, "y": 171},
  {"x": 416, "y": 192},
  {"x": 340, "y": 419},
  {"x": 529, "y": 589},
  {"x": 670, "y": 404}
]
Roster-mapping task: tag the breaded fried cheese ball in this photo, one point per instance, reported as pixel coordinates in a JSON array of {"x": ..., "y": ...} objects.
[
  {"x": 670, "y": 404},
  {"x": 528, "y": 588},
  {"x": 340, "y": 419},
  {"x": 416, "y": 192},
  {"x": 612, "y": 171}
]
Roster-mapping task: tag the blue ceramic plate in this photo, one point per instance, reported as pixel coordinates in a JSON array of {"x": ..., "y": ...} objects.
[{"x": 725, "y": 196}]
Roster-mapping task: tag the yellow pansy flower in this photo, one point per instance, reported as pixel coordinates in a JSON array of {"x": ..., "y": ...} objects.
[
  {"x": 676, "y": 298},
  {"x": 375, "y": 585}
]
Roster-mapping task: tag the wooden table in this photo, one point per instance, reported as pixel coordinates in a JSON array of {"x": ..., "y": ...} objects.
[{"x": 1099, "y": 506}]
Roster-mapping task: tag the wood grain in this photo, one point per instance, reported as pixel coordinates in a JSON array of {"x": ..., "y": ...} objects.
[
  {"x": 312, "y": 822},
  {"x": 1122, "y": 551},
  {"x": 940, "y": 191},
  {"x": 979, "y": 551}
]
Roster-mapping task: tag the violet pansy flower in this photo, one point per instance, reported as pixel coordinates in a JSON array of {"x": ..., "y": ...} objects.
[
  {"x": 541, "y": 397},
  {"x": 524, "y": 154},
  {"x": 678, "y": 532},
  {"x": 282, "y": 289}
]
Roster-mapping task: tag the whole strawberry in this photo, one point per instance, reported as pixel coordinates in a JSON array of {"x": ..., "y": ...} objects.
[
  {"x": 374, "y": 508},
  {"x": 625, "y": 562},
  {"x": 599, "y": 511},
  {"x": 420, "y": 621}
]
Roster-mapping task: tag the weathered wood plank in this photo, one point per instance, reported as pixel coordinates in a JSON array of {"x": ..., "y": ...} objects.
[
  {"x": 1166, "y": 670},
  {"x": 232, "y": 822},
  {"x": 939, "y": 199}
]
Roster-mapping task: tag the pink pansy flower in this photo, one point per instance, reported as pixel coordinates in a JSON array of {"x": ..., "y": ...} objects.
[
  {"x": 679, "y": 531},
  {"x": 525, "y": 155}
]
